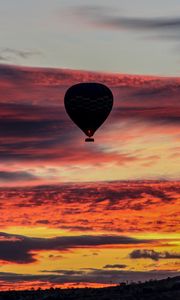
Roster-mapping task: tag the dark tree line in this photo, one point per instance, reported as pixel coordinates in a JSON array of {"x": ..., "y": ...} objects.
[{"x": 167, "y": 289}]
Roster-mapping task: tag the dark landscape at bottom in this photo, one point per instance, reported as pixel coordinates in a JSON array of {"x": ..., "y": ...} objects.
[{"x": 166, "y": 289}]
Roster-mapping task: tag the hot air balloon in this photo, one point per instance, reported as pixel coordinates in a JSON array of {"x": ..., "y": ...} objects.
[{"x": 88, "y": 105}]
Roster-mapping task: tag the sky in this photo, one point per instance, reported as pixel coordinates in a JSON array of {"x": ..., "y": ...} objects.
[
  {"x": 89, "y": 214},
  {"x": 136, "y": 37}
]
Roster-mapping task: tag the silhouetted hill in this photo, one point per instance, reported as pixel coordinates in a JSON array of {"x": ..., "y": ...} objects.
[{"x": 166, "y": 289}]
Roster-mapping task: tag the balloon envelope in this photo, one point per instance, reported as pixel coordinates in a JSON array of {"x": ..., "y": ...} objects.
[{"x": 88, "y": 105}]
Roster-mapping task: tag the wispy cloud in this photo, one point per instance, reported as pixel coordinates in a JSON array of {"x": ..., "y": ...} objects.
[
  {"x": 142, "y": 23},
  {"x": 103, "y": 17},
  {"x": 3, "y": 58},
  {"x": 9, "y": 54}
]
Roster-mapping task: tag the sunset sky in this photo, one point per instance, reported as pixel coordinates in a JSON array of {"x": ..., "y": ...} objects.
[{"x": 89, "y": 214}]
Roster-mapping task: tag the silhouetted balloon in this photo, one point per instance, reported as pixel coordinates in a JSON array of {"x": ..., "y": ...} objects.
[{"x": 88, "y": 105}]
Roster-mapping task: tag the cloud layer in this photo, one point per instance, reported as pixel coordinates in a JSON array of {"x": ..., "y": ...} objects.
[
  {"x": 104, "y": 206},
  {"x": 35, "y": 127}
]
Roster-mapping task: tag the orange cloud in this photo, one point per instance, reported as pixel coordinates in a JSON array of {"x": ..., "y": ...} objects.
[{"x": 103, "y": 207}]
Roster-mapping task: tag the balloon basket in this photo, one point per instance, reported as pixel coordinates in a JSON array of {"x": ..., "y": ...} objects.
[{"x": 89, "y": 140}]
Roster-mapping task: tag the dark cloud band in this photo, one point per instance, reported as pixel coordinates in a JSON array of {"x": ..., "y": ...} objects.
[
  {"x": 6, "y": 176},
  {"x": 91, "y": 276},
  {"x": 154, "y": 255},
  {"x": 21, "y": 249}
]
